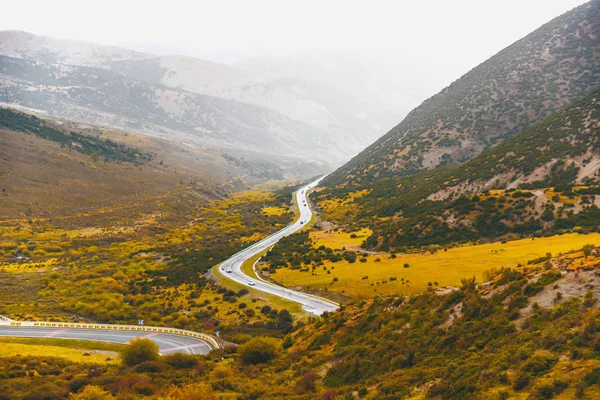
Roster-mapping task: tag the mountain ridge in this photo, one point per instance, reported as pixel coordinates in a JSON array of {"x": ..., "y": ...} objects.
[{"x": 522, "y": 84}]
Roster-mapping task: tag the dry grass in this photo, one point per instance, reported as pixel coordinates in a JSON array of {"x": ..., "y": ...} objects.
[
  {"x": 337, "y": 239},
  {"x": 444, "y": 267},
  {"x": 71, "y": 350},
  {"x": 274, "y": 210}
]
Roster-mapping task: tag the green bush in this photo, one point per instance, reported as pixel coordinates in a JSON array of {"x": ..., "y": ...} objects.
[
  {"x": 139, "y": 350},
  {"x": 258, "y": 351}
]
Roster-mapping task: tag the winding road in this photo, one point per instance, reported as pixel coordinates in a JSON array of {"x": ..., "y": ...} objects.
[
  {"x": 176, "y": 340},
  {"x": 232, "y": 268},
  {"x": 167, "y": 342}
]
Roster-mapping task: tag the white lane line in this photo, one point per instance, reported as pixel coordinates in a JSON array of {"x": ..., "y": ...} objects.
[
  {"x": 55, "y": 333},
  {"x": 148, "y": 336},
  {"x": 189, "y": 346}
]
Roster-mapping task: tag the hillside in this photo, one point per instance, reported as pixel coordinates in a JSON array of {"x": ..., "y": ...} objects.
[
  {"x": 348, "y": 99},
  {"x": 542, "y": 180},
  {"x": 101, "y": 97},
  {"x": 530, "y": 332},
  {"x": 521, "y": 85},
  {"x": 354, "y": 119},
  {"x": 59, "y": 169},
  {"x": 25, "y": 45}
]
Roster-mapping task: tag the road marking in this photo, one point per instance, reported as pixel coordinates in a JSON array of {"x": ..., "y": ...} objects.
[
  {"x": 184, "y": 347},
  {"x": 148, "y": 336},
  {"x": 56, "y": 333}
]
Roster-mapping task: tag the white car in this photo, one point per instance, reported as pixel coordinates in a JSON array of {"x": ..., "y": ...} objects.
[
  {"x": 251, "y": 283},
  {"x": 229, "y": 270}
]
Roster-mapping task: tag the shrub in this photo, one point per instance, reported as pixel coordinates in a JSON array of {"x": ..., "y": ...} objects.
[
  {"x": 192, "y": 391},
  {"x": 257, "y": 351},
  {"x": 91, "y": 392},
  {"x": 139, "y": 350},
  {"x": 181, "y": 361},
  {"x": 521, "y": 381}
]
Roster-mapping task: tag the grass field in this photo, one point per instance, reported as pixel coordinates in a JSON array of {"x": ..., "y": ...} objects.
[
  {"x": 78, "y": 351},
  {"x": 338, "y": 240},
  {"x": 372, "y": 277},
  {"x": 275, "y": 210}
]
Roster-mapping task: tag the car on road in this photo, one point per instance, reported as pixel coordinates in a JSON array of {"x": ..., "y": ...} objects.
[
  {"x": 229, "y": 270},
  {"x": 301, "y": 222},
  {"x": 251, "y": 283}
]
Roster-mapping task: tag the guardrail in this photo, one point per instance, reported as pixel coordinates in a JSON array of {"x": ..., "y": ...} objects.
[{"x": 77, "y": 325}]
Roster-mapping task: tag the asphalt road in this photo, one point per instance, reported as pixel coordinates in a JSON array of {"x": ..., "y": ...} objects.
[
  {"x": 167, "y": 342},
  {"x": 312, "y": 304}
]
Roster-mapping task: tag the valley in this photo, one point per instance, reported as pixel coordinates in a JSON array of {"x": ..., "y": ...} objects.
[{"x": 181, "y": 228}]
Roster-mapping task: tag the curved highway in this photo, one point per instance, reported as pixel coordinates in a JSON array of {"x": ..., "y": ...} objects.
[
  {"x": 167, "y": 342},
  {"x": 232, "y": 268},
  {"x": 185, "y": 342}
]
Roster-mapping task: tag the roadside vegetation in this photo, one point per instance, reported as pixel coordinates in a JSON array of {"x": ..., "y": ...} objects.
[
  {"x": 156, "y": 269},
  {"x": 532, "y": 332}
]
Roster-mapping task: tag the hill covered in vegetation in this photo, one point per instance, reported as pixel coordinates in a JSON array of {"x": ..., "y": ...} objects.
[
  {"x": 543, "y": 180},
  {"x": 106, "y": 149},
  {"x": 538, "y": 75},
  {"x": 530, "y": 332}
]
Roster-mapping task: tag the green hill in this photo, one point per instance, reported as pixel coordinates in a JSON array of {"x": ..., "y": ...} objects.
[{"x": 542, "y": 180}]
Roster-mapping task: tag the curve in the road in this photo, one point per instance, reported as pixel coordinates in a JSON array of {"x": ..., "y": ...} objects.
[
  {"x": 232, "y": 268},
  {"x": 167, "y": 342}
]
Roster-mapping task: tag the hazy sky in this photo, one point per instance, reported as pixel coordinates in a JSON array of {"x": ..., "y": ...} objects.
[{"x": 457, "y": 34}]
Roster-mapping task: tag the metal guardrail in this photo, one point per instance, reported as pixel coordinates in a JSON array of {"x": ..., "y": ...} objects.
[{"x": 209, "y": 339}]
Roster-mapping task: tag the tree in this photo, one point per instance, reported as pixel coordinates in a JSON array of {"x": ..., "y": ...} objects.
[
  {"x": 258, "y": 350},
  {"x": 285, "y": 322},
  {"x": 139, "y": 350}
]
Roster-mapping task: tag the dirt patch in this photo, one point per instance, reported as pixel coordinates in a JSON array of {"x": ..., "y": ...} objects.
[{"x": 572, "y": 284}]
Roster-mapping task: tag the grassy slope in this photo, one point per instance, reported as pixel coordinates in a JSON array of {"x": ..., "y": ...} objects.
[
  {"x": 447, "y": 268},
  {"x": 78, "y": 351}
]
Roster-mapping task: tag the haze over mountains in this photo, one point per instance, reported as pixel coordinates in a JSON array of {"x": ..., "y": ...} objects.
[
  {"x": 519, "y": 86},
  {"x": 313, "y": 106}
]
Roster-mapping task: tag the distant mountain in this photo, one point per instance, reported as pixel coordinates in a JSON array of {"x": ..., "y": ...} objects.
[
  {"x": 337, "y": 96},
  {"x": 20, "y": 44},
  {"x": 524, "y": 83},
  {"x": 341, "y": 98},
  {"x": 102, "y": 97}
]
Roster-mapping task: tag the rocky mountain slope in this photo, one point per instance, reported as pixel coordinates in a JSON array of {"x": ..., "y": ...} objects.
[
  {"x": 543, "y": 180},
  {"x": 524, "y": 83}
]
